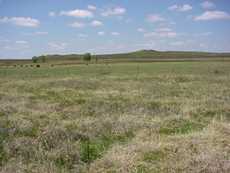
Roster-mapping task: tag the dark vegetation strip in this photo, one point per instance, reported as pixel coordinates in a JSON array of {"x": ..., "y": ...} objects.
[
  {"x": 146, "y": 60},
  {"x": 25, "y": 64}
]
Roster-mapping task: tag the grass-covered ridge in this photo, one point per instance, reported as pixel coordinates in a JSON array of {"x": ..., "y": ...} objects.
[
  {"x": 127, "y": 117},
  {"x": 135, "y": 56}
]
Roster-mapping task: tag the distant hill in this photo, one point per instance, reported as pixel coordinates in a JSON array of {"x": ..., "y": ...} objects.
[
  {"x": 167, "y": 54},
  {"x": 143, "y": 54},
  {"x": 136, "y": 56}
]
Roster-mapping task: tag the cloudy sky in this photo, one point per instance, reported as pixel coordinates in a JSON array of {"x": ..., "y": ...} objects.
[{"x": 35, "y": 27}]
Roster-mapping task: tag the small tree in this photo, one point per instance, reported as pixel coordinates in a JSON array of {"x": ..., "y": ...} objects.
[
  {"x": 87, "y": 58},
  {"x": 34, "y": 59},
  {"x": 43, "y": 58}
]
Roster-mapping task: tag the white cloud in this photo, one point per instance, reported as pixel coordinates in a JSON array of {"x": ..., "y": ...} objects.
[
  {"x": 52, "y": 14},
  {"x": 101, "y": 33},
  {"x": 77, "y": 13},
  {"x": 202, "y": 45},
  {"x": 77, "y": 25},
  {"x": 163, "y": 29},
  {"x": 82, "y": 35},
  {"x": 18, "y": 45},
  {"x": 41, "y": 33},
  {"x": 57, "y": 46},
  {"x": 203, "y": 34},
  {"x": 116, "y": 11},
  {"x": 140, "y": 29},
  {"x": 96, "y": 23},
  {"x": 162, "y": 34},
  {"x": 4, "y": 41},
  {"x": 180, "y": 8},
  {"x": 21, "y": 21},
  {"x": 208, "y": 5},
  {"x": 177, "y": 43},
  {"x": 21, "y": 42},
  {"x": 155, "y": 18},
  {"x": 213, "y": 15},
  {"x": 92, "y": 7},
  {"x": 115, "y": 33}
]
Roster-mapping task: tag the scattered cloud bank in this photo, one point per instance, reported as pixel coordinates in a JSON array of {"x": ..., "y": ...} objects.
[
  {"x": 18, "y": 45},
  {"x": 163, "y": 29},
  {"x": 161, "y": 32},
  {"x": 52, "y": 14},
  {"x": 213, "y": 15},
  {"x": 96, "y": 23},
  {"x": 21, "y": 21},
  {"x": 177, "y": 43},
  {"x": 41, "y": 33},
  {"x": 116, "y": 11},
  {"x": 57, "y": 46},
  {"x": 21, "y": 42},
  {"x": 140, "y": 29},
  {"x": 152, "y": 18},
  {"x": 78, "y": 25},
  {"x": 115, "y": 33},
  {"x": 94, "y": 16},
  {"x": 180, "y": 8},
  {"x": 208, "y": 5},
  {"x": 37, "y": 33},
  {"x": 78, "y": 13},
  {"x": 82, "y": 35},
  {"x": 101, "y": 33},
  {"x": 92, "y": 7}
]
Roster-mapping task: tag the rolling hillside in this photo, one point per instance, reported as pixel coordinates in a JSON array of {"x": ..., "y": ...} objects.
[
  {"x": 137, "y": 56},
  {"x": 144, "y": 54}
]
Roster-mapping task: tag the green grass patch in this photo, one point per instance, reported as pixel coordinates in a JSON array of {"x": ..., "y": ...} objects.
[
  {"x": 66, "y": 160},
  {"x": 154, "y": 106},
  {"x": 91, "y": 150},
  {"x": 208, "y": 115},
  {"x": 153, "y": 156},
  {"x": 179, "y": 126},
  {"x": 64, "y": 97},
  {"x": 3, "y": 138}
]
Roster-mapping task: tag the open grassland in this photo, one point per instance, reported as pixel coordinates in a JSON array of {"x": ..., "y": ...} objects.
[{"x": 116, "y": 118}]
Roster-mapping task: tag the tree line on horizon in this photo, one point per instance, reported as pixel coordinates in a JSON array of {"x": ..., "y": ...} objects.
[{"x": 86, "y": 57}]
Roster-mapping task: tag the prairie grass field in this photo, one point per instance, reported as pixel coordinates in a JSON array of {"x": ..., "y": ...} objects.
[{"x": 116, "y": 118}]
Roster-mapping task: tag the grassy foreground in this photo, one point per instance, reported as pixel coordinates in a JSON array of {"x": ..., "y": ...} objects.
[{"x": 119, "y": 118}]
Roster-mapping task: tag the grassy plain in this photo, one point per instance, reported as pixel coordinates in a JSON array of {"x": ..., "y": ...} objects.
[{"x": 127, "y": 117}]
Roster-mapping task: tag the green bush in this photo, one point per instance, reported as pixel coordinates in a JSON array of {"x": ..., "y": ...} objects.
[
  {"x": 35, "y": 59},
  {"x": 87, "y": 58}
]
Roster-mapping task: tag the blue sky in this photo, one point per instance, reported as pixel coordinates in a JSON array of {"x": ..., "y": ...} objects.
[{"x": 35, "y": 27}]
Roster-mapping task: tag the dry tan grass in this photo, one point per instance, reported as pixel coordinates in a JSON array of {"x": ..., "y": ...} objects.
[{"x": 165, "y": 119}]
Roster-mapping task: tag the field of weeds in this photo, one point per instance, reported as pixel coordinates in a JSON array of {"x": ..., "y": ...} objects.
[{"x": 120, "y": 118}]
